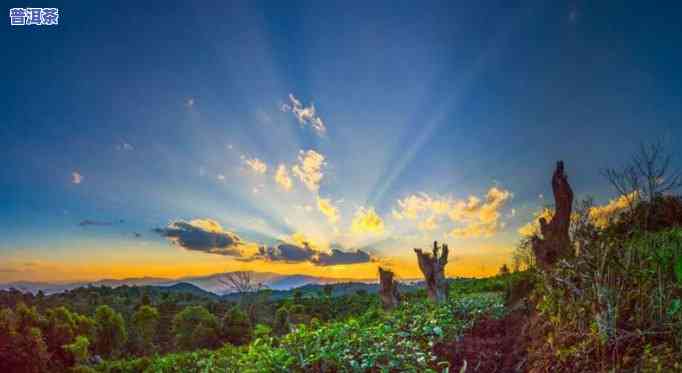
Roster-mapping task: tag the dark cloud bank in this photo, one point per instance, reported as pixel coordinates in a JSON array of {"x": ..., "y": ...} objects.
[{"x": 197, "y": 238}]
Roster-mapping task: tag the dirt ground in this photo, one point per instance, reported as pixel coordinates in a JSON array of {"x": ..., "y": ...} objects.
[{"x": 490, "y": 346}]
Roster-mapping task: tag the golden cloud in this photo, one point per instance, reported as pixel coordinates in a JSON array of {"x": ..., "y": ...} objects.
[
  {"x": 282, "y": 178},
  {"x": 429, "y": 224},
  {"x": 327, "y": 208},
  {"x": 481, "y": 218},
  {"x": 475, "y": 230},
  {"x": 601, "y": 216},
  {"x": 532, "y": 228},
  {"x": 367, "y": 221}
]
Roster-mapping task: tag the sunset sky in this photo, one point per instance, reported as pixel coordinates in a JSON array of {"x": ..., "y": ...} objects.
[{"x": 189, "y": 138}]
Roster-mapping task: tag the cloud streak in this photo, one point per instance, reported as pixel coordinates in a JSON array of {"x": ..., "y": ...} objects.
[
  {"x": 305, "y": 115},
  {"x": 88, "y": 222}
]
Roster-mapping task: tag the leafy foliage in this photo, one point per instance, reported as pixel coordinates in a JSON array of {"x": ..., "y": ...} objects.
[
  {"x": 195, "y": 327},
  {"x": 398, "y": 341}
]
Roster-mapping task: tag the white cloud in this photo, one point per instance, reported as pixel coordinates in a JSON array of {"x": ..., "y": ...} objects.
[
  {"x": 76, "y": 177},
  {"x": 309, "y": 169},
  {"x": 124, "y": 146},
  {"x": 305, "y": 115},
  {"x": 282, "y": 177}
]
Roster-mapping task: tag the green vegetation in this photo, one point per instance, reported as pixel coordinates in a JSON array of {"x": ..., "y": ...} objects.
[
  {"x": 615, "y": 306},
  {"x": 401, "y": 340},
  {"x": 307, "y": 331}
]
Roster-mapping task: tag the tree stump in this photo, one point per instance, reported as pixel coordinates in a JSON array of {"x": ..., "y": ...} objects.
[
  {"x": 432, "y": 266},
  {"x": 555, "y": 243},
  {"x": 388, "y": 289}
]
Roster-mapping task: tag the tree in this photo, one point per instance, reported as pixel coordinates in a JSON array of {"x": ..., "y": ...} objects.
[
  {"x": 281, "y": 325},
  {"x": 145, "y": 300},
  {"x": 30, "y": 352},
  {"x": 328, "y": 289},
  {"x": 79, "y": 349},
  {"x": 111, "y": 334},
  {"x": 7, "y": 322},
  {"x": 298, "y": 296},
  {"x": 432, "y": 266},
  {"x": 60, "y": 330},
  {"x": 388, "y": 289},
  {"x": 144, "y": 325},
  {"x": 85, "y": 326},
  {"x": 240, "y": 282},
  {"x": 504, "y": 270},
  {"x": 236, "y": 327},
  {"x": 21, "y": 351},
  {"x": 195, "y": 327},
  {"x": 26, "y": 318},
  {"x": 165, "y": 338},
  {"x": 555, "y": 243},
  {"x": 647, "y": 178}
]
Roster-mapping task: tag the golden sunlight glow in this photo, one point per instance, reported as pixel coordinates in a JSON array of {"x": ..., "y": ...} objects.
[{"x": 367, "y": 221}]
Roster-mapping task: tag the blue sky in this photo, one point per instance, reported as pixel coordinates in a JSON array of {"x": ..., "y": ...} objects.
[{"x": 177, "y": 112}]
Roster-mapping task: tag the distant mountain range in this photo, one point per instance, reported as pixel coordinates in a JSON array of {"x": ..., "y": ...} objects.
[{"x": 209, "y": 283}]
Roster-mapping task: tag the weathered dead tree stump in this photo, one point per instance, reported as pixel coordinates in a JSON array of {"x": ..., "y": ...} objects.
[
  {"x": 555, "y": 243},
  {"x": 388, "y": 289},
  {"x": 432, "y": 266}
]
